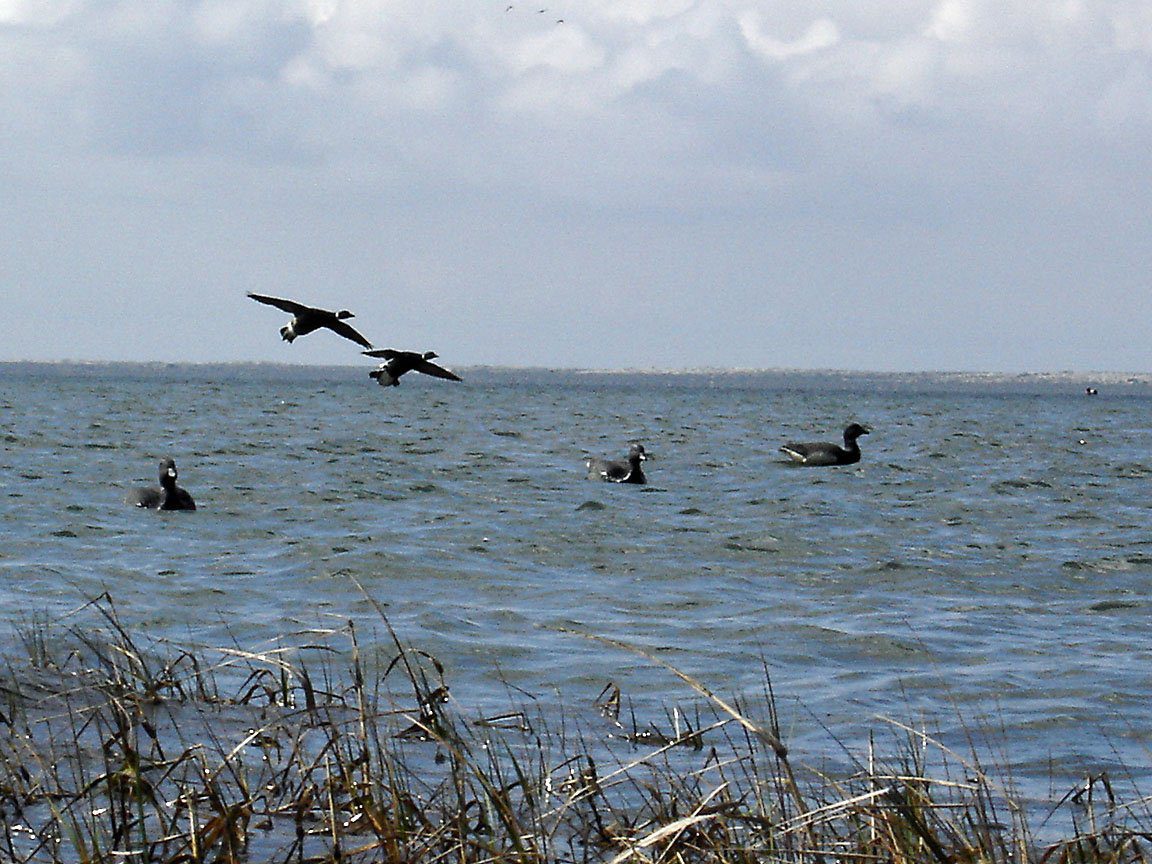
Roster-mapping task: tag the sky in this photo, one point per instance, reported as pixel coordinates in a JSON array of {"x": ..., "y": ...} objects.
[{"x": 645, "y": 184}]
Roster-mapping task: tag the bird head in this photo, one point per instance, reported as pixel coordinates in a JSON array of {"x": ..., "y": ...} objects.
[{"x": 167, "y": 471}]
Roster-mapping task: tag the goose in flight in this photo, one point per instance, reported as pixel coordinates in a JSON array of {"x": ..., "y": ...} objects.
[
  {"x": 397, "y": 363},
  {"x": 306, "y": 319}
]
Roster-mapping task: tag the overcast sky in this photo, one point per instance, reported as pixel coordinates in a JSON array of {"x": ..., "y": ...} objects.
[{"x": 945, "y": 185}]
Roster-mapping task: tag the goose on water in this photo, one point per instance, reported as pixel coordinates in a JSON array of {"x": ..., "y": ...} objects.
[
  {"x": 826, "y": 453},
  {"x": 613, "y": 471},
  {"x": 167, "y": 496}
]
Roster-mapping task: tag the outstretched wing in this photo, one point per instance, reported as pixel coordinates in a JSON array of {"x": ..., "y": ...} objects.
[
  {"x": 289, "y": 306},
  {"x": 347, "y": 331},
  {"x": 429, "y": 368},
  {"x": 386, "y": 353}
]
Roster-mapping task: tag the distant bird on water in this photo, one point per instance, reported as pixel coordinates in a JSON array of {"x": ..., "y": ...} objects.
[
  {"x": 823, "y": 453},
  {"x": 611, "y": 471},
  {"x": 397, "y": 363},
  {"x": 1091, "y": 391},
  {"x": 168, "y": 496},
  {"x": 306, "y": 319}
]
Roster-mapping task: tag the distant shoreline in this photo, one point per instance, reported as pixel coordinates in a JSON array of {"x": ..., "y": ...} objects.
[
  {"x": 1068, "y": 384},
  {"x": 1094, "y": 378}
]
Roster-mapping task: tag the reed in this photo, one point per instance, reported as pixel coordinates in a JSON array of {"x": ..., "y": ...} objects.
[{"x": 322, "y": 748}]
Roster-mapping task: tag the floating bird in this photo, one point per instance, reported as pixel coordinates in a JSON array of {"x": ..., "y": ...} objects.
[
  {"x": 1091, "y": 391},
  {"x": 398, "y": 363},
  {"x": 822, "y": 453},
  {"x": 611, "y": 471},
  {"x": 168, "y": 496},
  {"x": 305, "y": 319}
]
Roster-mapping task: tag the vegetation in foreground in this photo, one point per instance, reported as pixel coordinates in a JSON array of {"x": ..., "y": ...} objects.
[{"x": 320, "y": 751}]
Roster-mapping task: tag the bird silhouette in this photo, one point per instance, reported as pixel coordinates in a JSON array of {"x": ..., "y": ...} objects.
[
  {"x": 399, "y": 363},
  {"x": 306, "y": 319}
]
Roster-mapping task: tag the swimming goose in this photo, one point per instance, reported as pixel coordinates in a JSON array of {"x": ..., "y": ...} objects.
[
  {"x": 168, "y": 496},
  {"x": 398, "y": 363},
  {"x": 611, "y": 471},
  {"x": 824, "y": 453},
  {"x": 306, "y": 319}
]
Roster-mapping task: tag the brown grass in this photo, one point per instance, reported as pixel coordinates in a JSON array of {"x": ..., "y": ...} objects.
[{"x": 320, "y": 750}]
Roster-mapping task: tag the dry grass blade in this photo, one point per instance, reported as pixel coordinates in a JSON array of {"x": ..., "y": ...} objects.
[
  {"x": 672, "y": 829},
  {"x": 769, "y": 738}
]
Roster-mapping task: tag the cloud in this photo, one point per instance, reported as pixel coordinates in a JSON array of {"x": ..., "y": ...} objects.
[
  {"x": 170, "y": 76},
  {"x": 36, "y": 13},
  {"x": 712, "y": 132},
  {"x": 822, "y": 33}
]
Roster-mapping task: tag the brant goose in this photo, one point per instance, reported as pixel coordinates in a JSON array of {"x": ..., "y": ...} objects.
[
  {"x": 823, "y": 453},
  {"x": 306, "y": 319},
  {"x": 398, "y": 363},
  {"x": 168, "y": 496},
  {"x": 611, "y": 471}
]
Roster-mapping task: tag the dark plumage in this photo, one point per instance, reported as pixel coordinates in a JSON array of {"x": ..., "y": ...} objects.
[
  {"x": 306, "y": 319},
  {"x": 399, "y": 363},
  {"x": 627, "y": 471},
  {"x": 168, "y": 496},
  {"x": 824, "y": 453}
]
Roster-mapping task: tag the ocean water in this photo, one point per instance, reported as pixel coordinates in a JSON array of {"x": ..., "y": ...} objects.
[{"x": 986, "y": 566}]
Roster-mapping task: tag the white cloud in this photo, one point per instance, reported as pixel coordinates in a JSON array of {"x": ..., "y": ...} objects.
[
  {"x": 951, "y": 21},
  {"x": 1132, "y": 28},
  {"x": 36, "y": 13},
  {"x": 326, "y": 75},
  {"x": 564, "y": 49},
  {"x": 822, "y": 33},
  {"x": 672, "y": 116},
  {"x": 641, "y": 13}
]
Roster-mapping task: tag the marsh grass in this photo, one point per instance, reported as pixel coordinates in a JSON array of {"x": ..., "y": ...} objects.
[{"x": 117, "y": 748}]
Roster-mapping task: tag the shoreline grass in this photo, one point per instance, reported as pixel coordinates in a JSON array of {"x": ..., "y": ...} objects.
[{"x": 324, "y": 748}]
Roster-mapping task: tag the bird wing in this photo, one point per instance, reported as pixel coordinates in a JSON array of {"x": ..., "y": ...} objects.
[
  {"x": 796, "y": 452},
  {"x": 386, "y": 353},
  {"x": 430, "y": 368},
  {"x": 616, "y": 472},
  {"x": 347, "y": 331},
  {"x": 605, "y": 469},
  {"x": 814, "y": 453},
  {"x": 289, "y": 306}
]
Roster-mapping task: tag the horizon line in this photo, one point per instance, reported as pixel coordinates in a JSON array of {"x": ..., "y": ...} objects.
[{"x": 1117, "y": 376}]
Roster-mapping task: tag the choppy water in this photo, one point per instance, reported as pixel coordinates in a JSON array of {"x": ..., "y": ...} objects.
[{"x": 986, "y": 564}]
